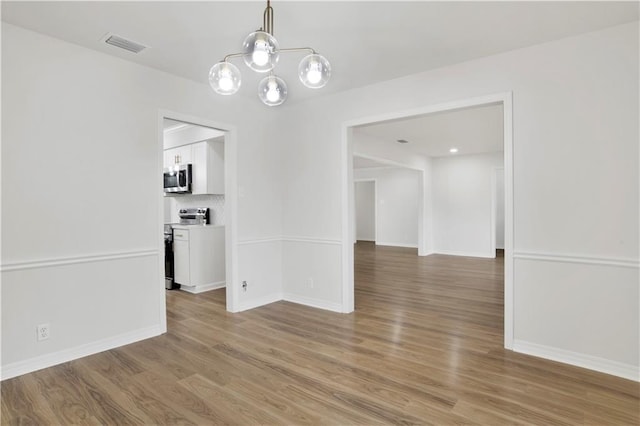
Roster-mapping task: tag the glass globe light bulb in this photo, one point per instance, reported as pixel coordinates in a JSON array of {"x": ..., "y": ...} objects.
[
  {"x": 272, "y": 90},
  {"x": 260, "y": 54},
  {"x": 224, "y": 78},
  {"x": 260, "y": 51},
  {"x": 314, "y": 71},
  {"x": 225, "y": 82},
  {"x": 314, "y": 75}
]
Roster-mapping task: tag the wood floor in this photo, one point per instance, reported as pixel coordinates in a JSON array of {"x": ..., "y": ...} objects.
[{"x": 424, "y": 346}]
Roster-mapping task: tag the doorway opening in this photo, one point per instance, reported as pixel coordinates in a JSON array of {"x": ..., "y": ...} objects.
[
  {"x": 201, "y": 220},
  {"x": 388, "y": 199},
  {"x": 365, "y": 210},
  {"x": 504, "y": 100}
]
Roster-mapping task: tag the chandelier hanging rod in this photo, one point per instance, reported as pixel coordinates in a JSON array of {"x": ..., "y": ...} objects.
[{"x": 267, "y": 18}]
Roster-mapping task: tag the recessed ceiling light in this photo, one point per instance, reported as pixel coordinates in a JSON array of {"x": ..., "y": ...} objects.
[
  {"x": 453, "y": 150},
  {"x": 402, "y": 141}
]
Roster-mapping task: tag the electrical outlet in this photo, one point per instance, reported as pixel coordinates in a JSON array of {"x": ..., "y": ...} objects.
[
  {"x": 43, "y": 331},
  {"x": 244, "y": 285},
  {"x": 310, "y": 282}
]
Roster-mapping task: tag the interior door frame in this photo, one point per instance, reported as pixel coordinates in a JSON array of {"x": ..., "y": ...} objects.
[
  {"x": 494, "y": 207},
  {"x": 504, "y": 98},
  {"x": 230, "y": 201}
]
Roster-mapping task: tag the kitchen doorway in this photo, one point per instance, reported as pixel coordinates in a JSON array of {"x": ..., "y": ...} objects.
[
  {"x": 203, "y": 147},
  {"x": 503, "y": 99}
]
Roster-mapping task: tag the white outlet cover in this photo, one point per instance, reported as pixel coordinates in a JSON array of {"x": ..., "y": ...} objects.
[{"x": 43, "y": 331}]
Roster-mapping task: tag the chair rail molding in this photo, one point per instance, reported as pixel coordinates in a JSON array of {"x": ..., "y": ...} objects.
[
  {"x": 290, "y": 239},
  {"x": 72, "y": 260},
  {"x": 576, "y": 258}
]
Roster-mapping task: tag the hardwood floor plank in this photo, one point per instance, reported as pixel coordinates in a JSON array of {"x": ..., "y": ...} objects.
[
  {"x": 158, "y": 409},
  {"x": 25, "y": 408},
  {"x": 65, "y": 401},
  {"x": 424, "y": 346},
  {"x": 174, "y": 394},
  {"x": 148, "y": 353},
  {"x": 126, "y": 404},
  {"x": 229, "y": 406}
]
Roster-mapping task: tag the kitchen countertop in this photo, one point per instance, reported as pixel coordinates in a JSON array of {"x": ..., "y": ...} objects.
[{"x": 180, "y": 226}]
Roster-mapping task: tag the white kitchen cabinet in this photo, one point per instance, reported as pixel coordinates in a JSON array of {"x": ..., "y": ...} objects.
[
  {"x": 180, "y": 155},
  {"x": 169, "y": 158},
  {"x": 181, "y": 265},
  {"x": 199, "y": 257},
  {"x": 208, "y": 167}
]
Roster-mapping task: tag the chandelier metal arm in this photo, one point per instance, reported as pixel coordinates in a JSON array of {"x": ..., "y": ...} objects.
[
  {"x": 232, "y": 55},
  {"x": 298, "y": 49},
  {"x": 288, "y": 49}
]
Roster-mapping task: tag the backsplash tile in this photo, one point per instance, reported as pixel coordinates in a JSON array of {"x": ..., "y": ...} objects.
[{"x": 214, "y": 202}]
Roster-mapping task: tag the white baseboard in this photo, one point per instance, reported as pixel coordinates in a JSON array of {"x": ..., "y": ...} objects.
[
  {"x": 627, "y": 371},
  {"x": 204, "y": 287},
  {"x": 466, "y": 253},
  {"x": 381, "y": 243},
  {"x": 302, "y": 300},
  {"x": 260, "y": 301},
  {"x": 314, "y": 303},
  {"x": 49, "y": 360}
]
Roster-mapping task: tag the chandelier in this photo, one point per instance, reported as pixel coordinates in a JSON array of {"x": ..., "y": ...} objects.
[{"x": 261, "y": 52}]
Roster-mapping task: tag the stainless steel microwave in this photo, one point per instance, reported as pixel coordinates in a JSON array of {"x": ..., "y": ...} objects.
[{"x": 178, "y": 179}]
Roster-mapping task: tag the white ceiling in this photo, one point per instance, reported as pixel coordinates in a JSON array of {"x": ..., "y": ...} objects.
[
  {"x": 472, "y": 130},
  {"x": 366, "y": 42}
]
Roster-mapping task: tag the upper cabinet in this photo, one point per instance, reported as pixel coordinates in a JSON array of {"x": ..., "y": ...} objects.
[
  {"x": 208, "y": 167},
  {"x": 179, "y": 155},
  {"x": 207, "y": 158}
]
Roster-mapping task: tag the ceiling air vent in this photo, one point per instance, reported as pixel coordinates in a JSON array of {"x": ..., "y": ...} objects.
[{"x": 123, "y": 43}]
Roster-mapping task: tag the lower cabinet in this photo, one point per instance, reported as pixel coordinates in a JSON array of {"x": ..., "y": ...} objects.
[
  {"x": 181, "y": 267},
  {"x": 199, "y": 258}
]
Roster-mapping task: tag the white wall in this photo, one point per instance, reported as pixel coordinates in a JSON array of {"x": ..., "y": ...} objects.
[
  {"x": 463, "y": 204},
  {"x": 365, "y": 193},
  {"x": 398, "y": 197},
  {"x": 575, "y": 109},
  {"x": 81, "y": 238}
]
